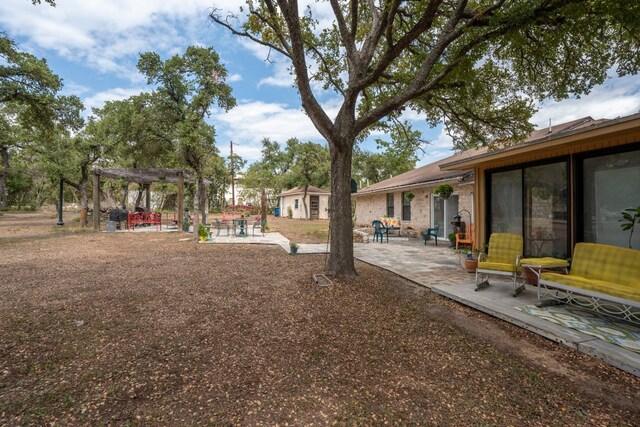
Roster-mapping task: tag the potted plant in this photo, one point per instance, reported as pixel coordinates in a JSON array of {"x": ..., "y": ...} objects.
[
  {"x": 294, "y": 248},
  {"x": 203, "y": 233},
  {"x": 452, "y": 240},
  {"x": 444, "y": 190},
  {"x": 630, "y": 218},
  {"x": 471, "y": 261}
]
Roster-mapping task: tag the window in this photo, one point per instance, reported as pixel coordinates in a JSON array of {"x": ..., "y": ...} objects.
[
  {"x": 390, "y": 207},
  {"x": 295, "y": 204},
  {"x": 610, "y": 185},
  {"x": 534, "y": 202},
  {"x": 406, "y": 208}
]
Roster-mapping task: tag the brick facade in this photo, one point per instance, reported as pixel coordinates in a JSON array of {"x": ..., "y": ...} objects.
[{"x": 372, "y": 206}]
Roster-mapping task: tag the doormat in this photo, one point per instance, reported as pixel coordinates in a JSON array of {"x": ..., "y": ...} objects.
[{"x": 619, "y": 333}]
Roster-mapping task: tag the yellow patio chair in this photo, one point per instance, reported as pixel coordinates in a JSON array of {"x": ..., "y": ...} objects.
[{"x": 505, "y": 251}]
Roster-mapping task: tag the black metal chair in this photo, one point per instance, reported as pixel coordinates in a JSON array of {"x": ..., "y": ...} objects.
[{"x": 432, "y": 231}]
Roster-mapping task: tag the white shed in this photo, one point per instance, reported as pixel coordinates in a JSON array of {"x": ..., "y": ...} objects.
[{"x": 293, "y": 202}]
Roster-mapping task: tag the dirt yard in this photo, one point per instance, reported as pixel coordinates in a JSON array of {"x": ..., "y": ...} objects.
[{"x": 143, "y": 328}]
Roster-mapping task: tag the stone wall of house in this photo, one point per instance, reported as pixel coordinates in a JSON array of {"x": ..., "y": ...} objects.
[{"x": 371, "y": 207}]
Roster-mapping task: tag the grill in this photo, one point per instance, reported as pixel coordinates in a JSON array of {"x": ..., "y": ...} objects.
[{"x": 117, "y": 215}]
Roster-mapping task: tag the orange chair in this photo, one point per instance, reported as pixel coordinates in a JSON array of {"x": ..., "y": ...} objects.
[{"x": 467, "y": 237}]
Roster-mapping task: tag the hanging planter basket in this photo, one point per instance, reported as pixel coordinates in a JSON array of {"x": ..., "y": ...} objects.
[
  {"x": 409, "y": 196},
  {"x": 444, "y": 190}
]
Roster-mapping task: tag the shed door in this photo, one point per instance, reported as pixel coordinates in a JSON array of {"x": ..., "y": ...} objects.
[{"x": 315, "y": 207}]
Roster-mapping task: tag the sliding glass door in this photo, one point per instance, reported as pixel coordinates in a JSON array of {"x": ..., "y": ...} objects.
[
  {"x": 611, "y": 184},
  {"x": 533, "y": 202}
]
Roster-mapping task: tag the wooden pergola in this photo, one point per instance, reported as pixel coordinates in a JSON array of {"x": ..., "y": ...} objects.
[{"x": 139, "y": 176}]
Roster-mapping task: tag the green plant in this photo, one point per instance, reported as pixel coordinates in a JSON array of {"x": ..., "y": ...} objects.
[
  {"x": 452, "y": 238},
  {"x": 203, "y": 233},
  {"x": 629, "y": 219},
  {"x": 409, "y": 196},
  {"x": 293, "y": 245},
  {"x": 289, "y": 212},
  {"x": 444, "y": 190}
]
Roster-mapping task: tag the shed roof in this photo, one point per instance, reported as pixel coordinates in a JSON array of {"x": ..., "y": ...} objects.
[{"x": 300, "y": 190}]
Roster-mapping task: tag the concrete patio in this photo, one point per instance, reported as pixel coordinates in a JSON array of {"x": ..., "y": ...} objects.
[{"x": 438, "y": 268}]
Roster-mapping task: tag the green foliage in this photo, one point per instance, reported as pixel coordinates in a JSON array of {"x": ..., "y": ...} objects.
[
  {"x": 630, "y": 217},
  {"x": 444, "y": 190},
  {"x": 203, "y": 233}
]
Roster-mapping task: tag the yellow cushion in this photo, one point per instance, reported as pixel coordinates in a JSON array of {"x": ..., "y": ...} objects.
[
  {"x": 607, "y": 263},
  {"x": 601, "y": 286},
  {"x": 504, "y": 248},
  {"x": 544, "y": 261},
  {"x": 497, "y": 266}
]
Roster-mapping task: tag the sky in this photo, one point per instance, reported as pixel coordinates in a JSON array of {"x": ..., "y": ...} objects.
[{"x": 94, "y": 47}]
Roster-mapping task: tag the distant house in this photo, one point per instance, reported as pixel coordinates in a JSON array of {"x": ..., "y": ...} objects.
[
  {"x": 425, "y": 209},
  {"x": 317, "y": 202},
  {"x": 565, "y": 184}
]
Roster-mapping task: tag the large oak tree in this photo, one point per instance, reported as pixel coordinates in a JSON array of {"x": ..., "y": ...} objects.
[{"x": 477, "y": 65}]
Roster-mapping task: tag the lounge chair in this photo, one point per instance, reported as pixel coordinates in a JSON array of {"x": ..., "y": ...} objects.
[{"x": 505, "y": 251}]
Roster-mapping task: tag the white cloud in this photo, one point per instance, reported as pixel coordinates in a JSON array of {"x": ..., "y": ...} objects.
[
  {"x": 234, "y": 78},
  {"x": 72, "y": 88},
  {"x": 98, "y": 100},
  {"x": 107, "y": 35},
  {"x": 616, "y": 97},
  {"x": 251, "y": 121}
]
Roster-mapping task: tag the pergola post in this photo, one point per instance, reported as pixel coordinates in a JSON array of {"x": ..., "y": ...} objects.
[
  {"x": 96, "y": 201},
  {"x": 148, "y": 198},
  {"x": 180, "y": 199}
]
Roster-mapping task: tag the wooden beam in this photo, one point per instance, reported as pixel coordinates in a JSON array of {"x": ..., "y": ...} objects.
[
  {"x": 96, "y": 202},
  {"x": 180, "y": 199}
]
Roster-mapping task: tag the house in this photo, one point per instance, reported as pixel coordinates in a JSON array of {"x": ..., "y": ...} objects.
[
  {"x": 565, "y": 184},
  {"x": 292, "y": 203},
  {"x": 425, "y": 209}
]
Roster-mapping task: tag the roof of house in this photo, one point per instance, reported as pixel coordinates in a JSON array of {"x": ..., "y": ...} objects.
[
  {"x": 582, "y": 126},
  {"x": 423, "y": 175},
  {"x": 300, "y": 190}
]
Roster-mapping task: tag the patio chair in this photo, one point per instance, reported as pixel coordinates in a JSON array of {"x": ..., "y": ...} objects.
[
  {"x": 433, "y": 231},
  {"x": 505, "y": 250},
  {"x": 222, "y": 225},
  {"x": 379, "y": 231},
  {"x": 257, "y": 223},
  {"x": 466, "y": 238}
]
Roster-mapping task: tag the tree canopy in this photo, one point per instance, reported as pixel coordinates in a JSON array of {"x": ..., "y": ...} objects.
[{"x": 476, "y": 65}]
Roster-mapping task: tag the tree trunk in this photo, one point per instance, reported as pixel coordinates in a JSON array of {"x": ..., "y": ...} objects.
[
  {"x": 84, "y": 203},
  {"x": 263, "y": 210},
  {"x": 304, "y": 202},
  {"x": 4, "y": 171},
  {"x": 139, "y": 196},
  {"x": 340, "y": 262},
  {"x": 202, "y": 206}
]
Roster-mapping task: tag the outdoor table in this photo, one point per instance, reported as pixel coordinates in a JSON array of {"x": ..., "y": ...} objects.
[
  {"x": 241, "y": 225},
  {"x": 537, "y": 264}
]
